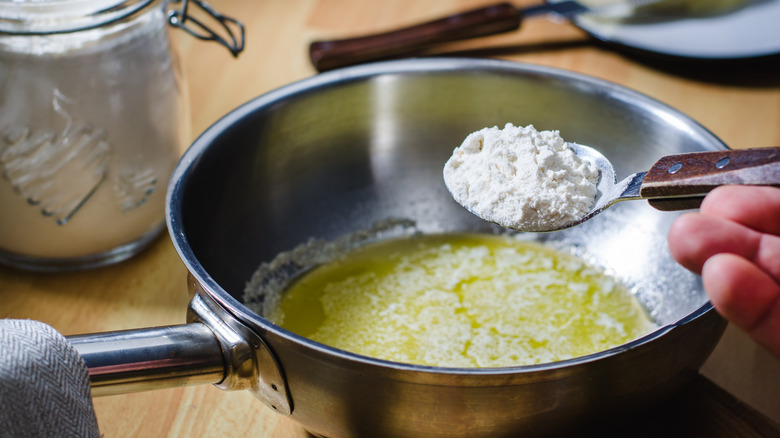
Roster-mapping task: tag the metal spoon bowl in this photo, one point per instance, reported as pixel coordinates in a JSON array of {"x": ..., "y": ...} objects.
[{"x": 610, "y": 191}]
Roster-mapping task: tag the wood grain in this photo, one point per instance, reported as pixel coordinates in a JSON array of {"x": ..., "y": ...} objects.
[
  {"x": 741, "y": 105},
  {"x": 409, "y": 41},
  {"x": 699, "y": 172}
]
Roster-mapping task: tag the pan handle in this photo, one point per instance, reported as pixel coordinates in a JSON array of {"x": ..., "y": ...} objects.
[
  {"x": 153, "y": 358},
  {"x": 215, "y": 347}
]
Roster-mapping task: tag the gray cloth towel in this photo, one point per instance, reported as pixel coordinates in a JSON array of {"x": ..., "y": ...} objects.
[{"x": 44, "y": 384}]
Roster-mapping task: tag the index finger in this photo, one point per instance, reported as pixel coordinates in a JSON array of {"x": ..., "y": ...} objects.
[{"x": 757, "y": 207}]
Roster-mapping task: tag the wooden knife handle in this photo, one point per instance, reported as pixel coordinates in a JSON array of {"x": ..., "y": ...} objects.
[
  {"x": 695, "y": 174},
  {"x": 497, "y": 18}
]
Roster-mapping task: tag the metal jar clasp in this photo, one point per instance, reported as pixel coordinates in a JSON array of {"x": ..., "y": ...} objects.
[{"x": 232, "y": 29}]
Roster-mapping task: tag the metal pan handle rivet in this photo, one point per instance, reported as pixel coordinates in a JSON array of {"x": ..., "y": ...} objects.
[{"x": 674, "y": 168}]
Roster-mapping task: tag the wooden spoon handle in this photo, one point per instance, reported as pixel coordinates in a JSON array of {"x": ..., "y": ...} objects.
[
  {"x": 497, "y": 18},
  {"x": 695, "y": 174}
]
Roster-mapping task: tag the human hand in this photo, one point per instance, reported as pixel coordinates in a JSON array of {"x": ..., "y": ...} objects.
[{"x": 734, "y": 243}]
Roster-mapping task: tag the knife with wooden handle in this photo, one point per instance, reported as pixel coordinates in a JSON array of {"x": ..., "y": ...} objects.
[{"x": 489, "y": 20}]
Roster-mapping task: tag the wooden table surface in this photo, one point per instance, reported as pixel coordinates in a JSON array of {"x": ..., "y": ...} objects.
[{"x": 740, "y": 104}]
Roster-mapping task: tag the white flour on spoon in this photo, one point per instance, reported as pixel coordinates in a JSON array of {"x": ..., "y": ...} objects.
[{"x": 521, "y": 178}]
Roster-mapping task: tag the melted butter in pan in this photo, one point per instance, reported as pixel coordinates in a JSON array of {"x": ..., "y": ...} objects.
[{"x": 462, "y": 300}]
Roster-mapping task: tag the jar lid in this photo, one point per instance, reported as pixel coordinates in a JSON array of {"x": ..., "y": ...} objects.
[{"x": 44, "y": 17}]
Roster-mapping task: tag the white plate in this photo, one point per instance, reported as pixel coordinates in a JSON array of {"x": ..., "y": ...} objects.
[{"x": 749, "y": 32}]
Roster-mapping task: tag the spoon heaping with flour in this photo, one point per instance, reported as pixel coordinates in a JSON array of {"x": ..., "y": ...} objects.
[{"x": 533, "y": 181}]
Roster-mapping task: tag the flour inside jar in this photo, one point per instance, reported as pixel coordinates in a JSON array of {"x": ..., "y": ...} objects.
[{"x": 461, "y": 300}]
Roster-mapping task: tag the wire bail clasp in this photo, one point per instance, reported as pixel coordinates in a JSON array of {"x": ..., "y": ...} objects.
[{"x": 182, "y": 19}]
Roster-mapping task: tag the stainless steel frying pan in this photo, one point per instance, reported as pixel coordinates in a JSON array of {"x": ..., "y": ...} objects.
[{"x": 342, "y": 150}]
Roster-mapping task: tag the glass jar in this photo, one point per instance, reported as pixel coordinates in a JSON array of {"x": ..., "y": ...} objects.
[{"x": 93, "y": 118}]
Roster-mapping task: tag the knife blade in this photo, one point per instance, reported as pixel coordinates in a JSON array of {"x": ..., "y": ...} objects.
[
  {"x": 570, "y": 8},
  {"x": 489, "y": 20}
]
